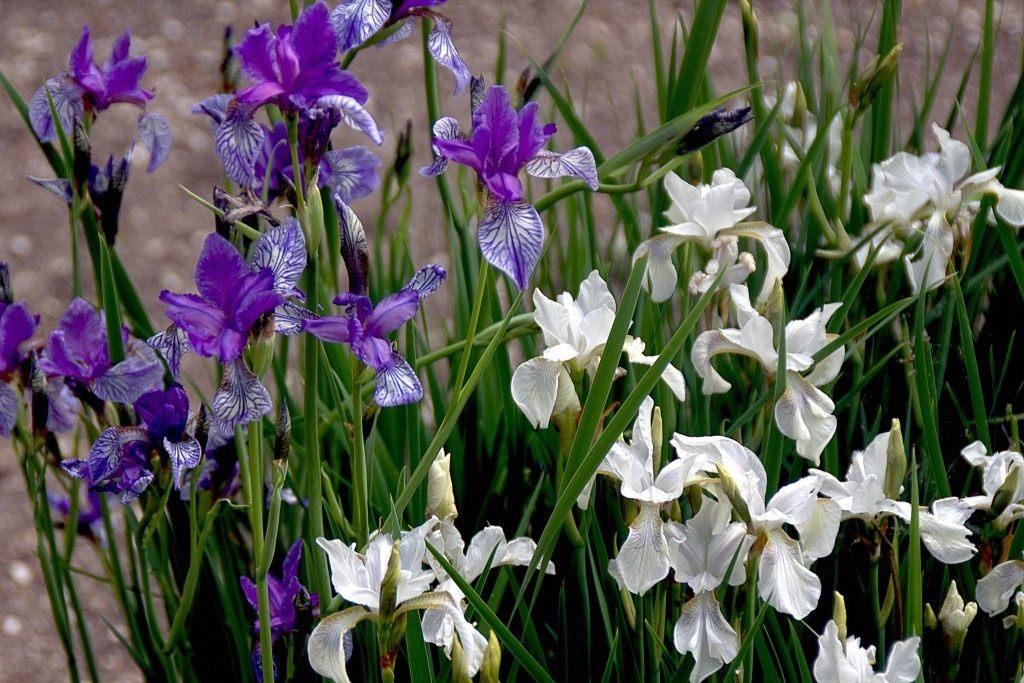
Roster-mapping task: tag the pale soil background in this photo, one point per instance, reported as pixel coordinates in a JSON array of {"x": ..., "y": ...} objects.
[{"x": 161, "y": 229}]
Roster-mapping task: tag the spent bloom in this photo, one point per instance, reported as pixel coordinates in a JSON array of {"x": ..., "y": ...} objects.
[
  {"x": 365, "y": 327},
  {"x": 356, "y": 21},
  {"x": 711, "y": 217},
  {"x": 848, "y": 662},
  {"x": 871, "y": 492},
  {"x": 77, "y": 352},
  {"x": 384, "y": 582},
  {"x": 120, "y": 461},
  {"x": 932, "y": 194},
  {"x": 803, "y": 412},
  {"x": 575, "y": 332},
  {"x": 502, "y": 143}
]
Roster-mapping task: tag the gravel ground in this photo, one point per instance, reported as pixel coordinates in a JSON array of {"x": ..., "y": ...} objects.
[{"x": 162, "y": 229}]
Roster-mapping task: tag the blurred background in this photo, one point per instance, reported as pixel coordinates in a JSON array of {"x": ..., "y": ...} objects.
[{"x": 606, "y": 64}]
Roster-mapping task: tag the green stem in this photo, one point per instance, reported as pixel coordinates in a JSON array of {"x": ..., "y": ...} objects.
[
  {"x": 876, "y": 607},
  {"x": 750, "y": 616},
  {"x": 188, "y": 593},
  {"x": 474, "y": 321},
  {"x": 292, "y": 122},
  {"x": 360, "y": 489},
  {"x": 255, "y": 503}
]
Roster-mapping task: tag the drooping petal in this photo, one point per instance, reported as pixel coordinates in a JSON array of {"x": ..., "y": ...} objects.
[
  {"x": 329, "y": 645},
  {"x": 290, "y": 318},
  {"x": 397, "y": 384},
  {"x": 444, "y": 52},
  {"x": 184, "y": 456},
  {"x": 155, "y": 135},
  {"x": 445, "y": 128},
  {"x": 511, "y": 236},
  {"x": 660, "y": 276},
  {"x": 643, "y": 559},
  {"x": 237, "y": 143},
  {"x": 703, "y": 632},
  {"x": 535, "y": 388},
  {"x": 351, "y": 172},
  {"x": 576, "y": 163},
  {"x": 818, "y": 532},
  {"x": 904, "y": 662},
  {"x": 783, "y": 580},
  {"x": 282, "y": 249},
  {"x": 776, "y": 249},
  {"x": 831, "y": 665},
  {"x": 754, "y": 340},
  {"x": 132, "y": 377},
  {"x": 354, "y": 253},
  {"x": 354, "y": 114},
  {"x": 67, "y": 102},
  {"x": 928, "y": 269},
  {"x": 354, "y": 21},
  {"x": 241, "y": 398},
  {"x": 1010, "y": 206},
  {"x": 995, "y": 589},
  {"x": 61, "y": 187},
  {"x": 214, "y": 106},
  {"x": 804, "y": 414}
]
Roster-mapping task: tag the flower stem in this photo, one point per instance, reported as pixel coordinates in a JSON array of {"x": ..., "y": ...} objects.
[
  {"x": 360, "y": 491},
  {"x": 255, "y": 502},
  {"x": 474, "y": 321},
  {"x": 292, "y": 122},
  {"x": 876, "y": 606}
]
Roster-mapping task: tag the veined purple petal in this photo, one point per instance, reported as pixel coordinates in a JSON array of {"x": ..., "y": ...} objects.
[
  {"x": 67, "y": 102},
  {"x": 254, "y": 54},
  {"x": 58, "y": 186},
  {"x": 237, "y": 143},
  {"x": 477, "y": 90},
  {"x": 313, "y": 38},
  {"x": 131, "y": 378},
  {"x": 290, "y": 318},
  {"x": 392, "y": 312},
  {"x": 184, "y": 456},
  {"x": 397, "y": 385},
  {"x": 355, "y": 21},
  {"x": 204, "y": 323},
  {"x": 427, "y": 279},
  {"x": 78, "y": 347},
  {"x": 282, "y": 250},
  {"x": 135, "y": 484},
  {"x": 446, "y": 128},
  {"x": 62, "y": 407},
  {"x": 403, "y": 31},
  {"x": 577, "y": 163},
  {"x": 337, "y": 329},
  {"x": 511, "y": 236},
  {"x": 9, "y": 405},
  {"x": 241, "y": 398},
  {"x": 351, "y": 173},
  {"x": 172, "y": 345},
  {"x": 214, "y": 106},
  {"x": 219, "y": 270},
  {"x": 155, "y": 135},
  {"x": 107, "y": 453},
  {"x": 444, "y": 52},
  {"x": 353, "y": 114}
]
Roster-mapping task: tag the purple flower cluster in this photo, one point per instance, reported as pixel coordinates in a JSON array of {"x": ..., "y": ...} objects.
[
  {"x": 120, "y": 461},
  {"x": 503, "y": 142},
  {"x": 17, "y": 326},
  {"x": 294, "y": 68},
  {"x": 355, "y": 21}
]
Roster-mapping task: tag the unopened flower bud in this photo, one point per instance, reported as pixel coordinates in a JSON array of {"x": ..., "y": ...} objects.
[
  {"x": 749, "y": 20},
  {"x": 389, "y": 585},
  {"x": 864, "y": 89},
  {"x": 657, "y": 428},
  {"x": 440, "y": 495},
  {"x": 895, "y": 463},
  {"x": 491, "y": 668},
  {"x": 403, "y": 152},
  {"x": 1007, "y": 491},
  {"x": 314, "y": 221},
  {"x": 6, "y": 290},
  {"x": 459, "y": 666},
  {"x": 930, "y": 622},
  {"x": 353, "y": 247},
  {"x": 799, "y": 116},
  {"x": 628, "y": 608},
  {"x": 839, "y": 615},
  {"x": 732, "y": 492},
  {"x": 956, "y": 617}
]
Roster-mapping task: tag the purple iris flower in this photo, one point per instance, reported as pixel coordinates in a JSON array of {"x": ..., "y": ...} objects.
[
  {"x": 288, "y": 600},
  {"x": 87, "y": 86},
  {"x": 77, "y": 352},
  {"x": 365, "y": 327},
  {"x": 355, "y": 21},
  {"x": 233, "y": 296},
  {"x": 294, "y": 68},
  {"x": 17, "y": 325},
  {"x": 502, "y": 143},
  {"x": 120, "y": 459}
]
